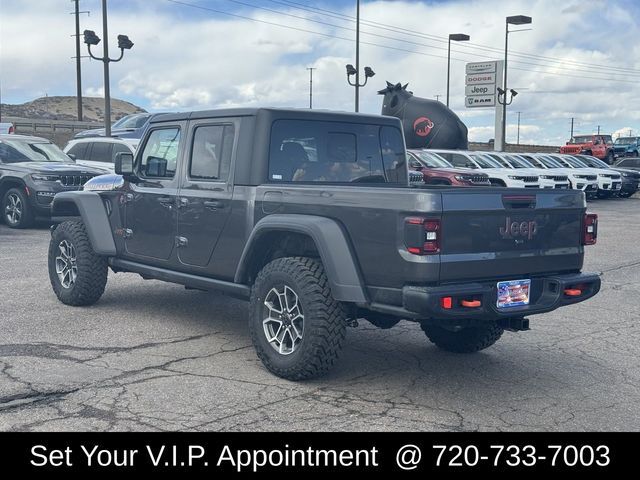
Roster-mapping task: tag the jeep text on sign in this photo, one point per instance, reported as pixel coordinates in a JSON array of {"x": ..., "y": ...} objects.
[{"x": 471, "y": 90}]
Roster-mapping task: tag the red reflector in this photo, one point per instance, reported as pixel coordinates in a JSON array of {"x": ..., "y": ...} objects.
[
  {"x": 446, "y": 303},
  {"x": 471, "y": 303},
  {"x": 414, "y": 250},
  {"x": 431, "y": 225},
  {"x": 415, "y": 220},
  {"x": 572, "y": 292},
  {"x": 431, "y": 247},
  {"x": 590, "y": 232}
]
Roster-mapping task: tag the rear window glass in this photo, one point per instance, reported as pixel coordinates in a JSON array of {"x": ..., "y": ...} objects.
[{"x": 336, "y": 152}]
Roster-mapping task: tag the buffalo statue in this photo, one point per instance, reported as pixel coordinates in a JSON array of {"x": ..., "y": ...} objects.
[{"x": 426, "y": 123}]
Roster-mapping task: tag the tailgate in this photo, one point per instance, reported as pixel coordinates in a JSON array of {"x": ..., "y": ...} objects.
[{"x": 511, "y": 234}]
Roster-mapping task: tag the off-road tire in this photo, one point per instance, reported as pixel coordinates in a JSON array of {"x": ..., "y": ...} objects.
[
  {"x": 92, "y": 269},
  {"x": 324, "y": 318},
  {"x": 465, "y": 340},
  {"x": 26, "y": 217},
  {"x": 609, "y": 159}
]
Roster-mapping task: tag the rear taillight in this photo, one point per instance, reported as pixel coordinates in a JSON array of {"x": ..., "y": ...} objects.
[
  {"x": 590, "y": 229},
  {"x": 422, "y": 235}
]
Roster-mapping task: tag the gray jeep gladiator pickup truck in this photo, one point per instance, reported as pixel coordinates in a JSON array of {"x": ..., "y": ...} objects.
[{"x": 310, "y": 216}]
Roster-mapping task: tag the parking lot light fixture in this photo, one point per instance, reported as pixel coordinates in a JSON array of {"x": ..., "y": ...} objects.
[
  {"x": 455, "y": 37},
  {"x": 124, "y": 43},
  {"x": 502, "y": 97}
]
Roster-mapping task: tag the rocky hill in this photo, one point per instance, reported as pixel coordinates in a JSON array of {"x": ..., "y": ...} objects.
[{"x": 65, "y": 108}]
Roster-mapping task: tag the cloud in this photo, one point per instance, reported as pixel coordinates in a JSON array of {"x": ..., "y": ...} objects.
[{"x": 187, "y": 58}]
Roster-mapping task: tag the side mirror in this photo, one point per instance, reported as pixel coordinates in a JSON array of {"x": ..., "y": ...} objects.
[
  {"x": 72, "y": 156},
  {"x": 124, "y": 164}
]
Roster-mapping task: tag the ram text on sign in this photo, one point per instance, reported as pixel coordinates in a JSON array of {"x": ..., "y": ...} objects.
[
  {"x": 481, "y": 67},
  {"x": 480, "y": 101},
  {"x": 481, "y": 79}
]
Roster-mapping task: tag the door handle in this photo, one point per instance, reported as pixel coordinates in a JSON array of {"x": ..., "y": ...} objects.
[
  {"x": 166, "y": 202},
  {"x": 213, "y": 204}
]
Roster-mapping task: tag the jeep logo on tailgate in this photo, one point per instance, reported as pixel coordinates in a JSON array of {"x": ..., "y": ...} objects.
[{"x": 515, "y": 229}]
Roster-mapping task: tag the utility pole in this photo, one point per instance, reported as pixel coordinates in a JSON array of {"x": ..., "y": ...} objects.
[
  {"x": 598, "y": 129},
  {"x": 311, "y": 69},
  {"x": 629, "y": 132},
  {"x": 78, "y": 66},
  {"x": 518, "y": 137},
  {"x": 571, "y": 127},
  {"x": 357, "y": 56},
  {"x": 437, "y": 97}
]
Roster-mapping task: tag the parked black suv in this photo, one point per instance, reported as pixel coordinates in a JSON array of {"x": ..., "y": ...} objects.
[
  {"x": 32, "y": 171},
  {"x": 310, "y": 216}
]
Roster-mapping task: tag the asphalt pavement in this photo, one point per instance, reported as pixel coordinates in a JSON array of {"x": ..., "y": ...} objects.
[{"x": 154, "y": 356}]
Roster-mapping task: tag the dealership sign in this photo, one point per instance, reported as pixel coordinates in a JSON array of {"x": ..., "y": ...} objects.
[
  {"x": 481, "y": 101},
  {"x": 481, "y": 81}
]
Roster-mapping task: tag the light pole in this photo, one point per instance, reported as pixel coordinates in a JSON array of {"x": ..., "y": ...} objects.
[
  {"x": 456, "y": 37},
  {"x": 512, "y": 20},
  {"x": 351, "y": 70},
  {"x": 90, "y": 38},
  {"x": 518, "y": 137},
  {"x": 368, "y": 73},
  {"x": 311, "y": 69}
]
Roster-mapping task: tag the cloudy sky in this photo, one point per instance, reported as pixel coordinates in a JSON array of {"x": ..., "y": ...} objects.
[{"x": 580, "y": 59}]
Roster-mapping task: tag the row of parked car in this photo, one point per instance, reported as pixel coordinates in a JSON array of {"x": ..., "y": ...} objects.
[{"x": 527, "y": 170}]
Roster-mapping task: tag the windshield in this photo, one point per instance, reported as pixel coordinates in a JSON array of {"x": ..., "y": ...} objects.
[
  {"x": 431, "y": 160},
  {"x": 550, "y": 162},
  {"x": 485, "y": 161},
  {"x": 574, "y": 162},
  {"x": 625, "y": 140},
  {"x": 518, "y": 162},
  {"x": 14, "y": 151},
  {"x": 583, "y": 139},
  {"x": 593, "y": 161},
  {"x": 131, "y": 121}
]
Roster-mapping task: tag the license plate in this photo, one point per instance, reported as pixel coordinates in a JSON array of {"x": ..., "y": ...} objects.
[{"x": 513, "y": 293}]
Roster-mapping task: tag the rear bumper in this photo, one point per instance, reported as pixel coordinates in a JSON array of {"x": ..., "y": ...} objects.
[{"x": 547, "y": 294}]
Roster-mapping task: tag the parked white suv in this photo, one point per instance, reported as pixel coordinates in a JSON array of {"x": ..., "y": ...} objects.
[
  {"x": 609, "y": 181},
  {"x": 498, "y": 175},
  {"x": 513, "y": 161},
  {"x": 7, "y": 128},
  {"x": 584, "y": 181},
  {"x": 99, "y": 152}
]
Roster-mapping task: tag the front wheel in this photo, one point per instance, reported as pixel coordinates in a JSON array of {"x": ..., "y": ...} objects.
[
  {"x": 464, "y": 339},
  {"x": 78, "y": 276},
  {"x": 16, "y": 210},
  {"x": 297, "y": 327}
]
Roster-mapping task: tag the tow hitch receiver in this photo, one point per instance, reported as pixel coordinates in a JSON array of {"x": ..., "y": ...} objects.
[{"x": 514, "y": 324}]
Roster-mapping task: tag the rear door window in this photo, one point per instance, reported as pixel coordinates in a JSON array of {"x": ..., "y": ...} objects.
[
  {"x": 211, "y": 152},
  {"x": 101, "y": 152},
  {"x": 79, "y": 150},
  {"x": 118, "y": 148}
]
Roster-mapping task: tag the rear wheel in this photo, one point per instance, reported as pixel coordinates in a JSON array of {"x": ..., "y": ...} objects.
[
  {"x": 609, "y": 158},
  {"x": 625, "y": 194},
  {"x": 297, "y": 327},
  {"x": 16, "y": 210},
  {"x": 463, "y": 339}
]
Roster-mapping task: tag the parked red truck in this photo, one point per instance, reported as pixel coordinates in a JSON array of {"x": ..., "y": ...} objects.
[{"x": 600, "y": 146}]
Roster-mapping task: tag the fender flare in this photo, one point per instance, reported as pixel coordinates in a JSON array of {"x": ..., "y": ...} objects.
[
  {"x": 94, "y": 215},
  {"x": 332, "y": 244}
]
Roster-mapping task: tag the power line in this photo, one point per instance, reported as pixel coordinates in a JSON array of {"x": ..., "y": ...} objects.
[
  {"x": 388, "y": 47},
  {"x": 441, "y": 39}
]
